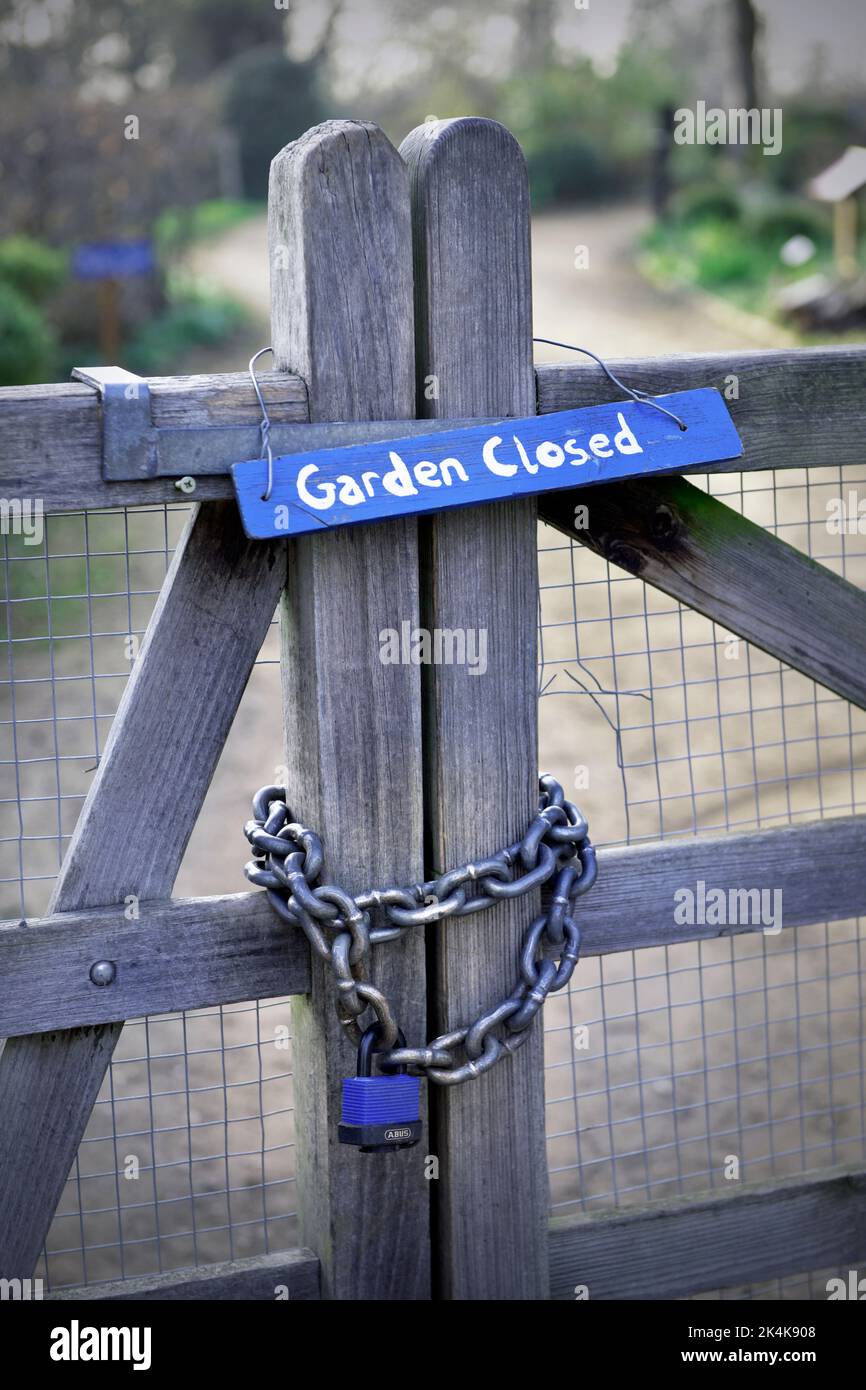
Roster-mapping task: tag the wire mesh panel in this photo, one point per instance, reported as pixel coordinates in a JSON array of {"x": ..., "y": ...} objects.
[
  {"x": 674, "y": 1069},
  {"x": 663, "y": 1065},
  {"x": 189, "y": 1155}
]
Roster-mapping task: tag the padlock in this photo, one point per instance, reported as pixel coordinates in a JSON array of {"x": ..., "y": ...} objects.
[{"x": 380, "y": 1112}]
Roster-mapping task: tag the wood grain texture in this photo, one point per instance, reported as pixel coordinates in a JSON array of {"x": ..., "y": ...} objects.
[
  {"x": 185, "y": 954},
  {"x": 341, "y": 277},
  {"x": 196, "y": 952},
  {"x": 671, "y": 1249},
  {"x": 51, "y": 436},
  {"x": 258, "y": 1278},
  {"x": 204, "y": 636},
  {"x": 794, "y": 409},
  {"x": 703, "y": 553},
  {"x": 473, "y": 310},
  {"x": 816, "y": 866}
]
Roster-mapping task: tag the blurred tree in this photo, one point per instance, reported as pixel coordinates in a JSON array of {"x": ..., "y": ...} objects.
[
  {"x": 73, "y": 74},
  {"x": 535, "y": 19},
  {"x": 269, "y": 100},
  {"x": 747, "y": 27}
]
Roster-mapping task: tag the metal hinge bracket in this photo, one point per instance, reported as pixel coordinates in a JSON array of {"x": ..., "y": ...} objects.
[{"x": 134, "y": 449}]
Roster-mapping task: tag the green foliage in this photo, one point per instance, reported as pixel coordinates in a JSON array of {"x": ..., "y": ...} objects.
[
  {"x": 30, "y": 268},
  {"x": 813, "y": 137},
  {"x": 269, "y": 100},
  {"x": 735, "y": 257},
  {"x": 561, "y": 116},
  {"x": 706, "y": 202},
  {"x": 775, "y": 223},
  {"x": 195, "y": 319},
  {"x": 721, "y": 255},
  {"x": 180, "y": 227},
  {"x": 27, "y": 344},
  {"x": 567, "y": 171}
]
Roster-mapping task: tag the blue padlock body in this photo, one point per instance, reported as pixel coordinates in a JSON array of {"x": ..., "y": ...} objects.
[{"x": 381, "y": 1100}]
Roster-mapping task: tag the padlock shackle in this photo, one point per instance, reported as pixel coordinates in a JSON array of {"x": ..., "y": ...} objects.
[{"x": 367, "y": 1049}]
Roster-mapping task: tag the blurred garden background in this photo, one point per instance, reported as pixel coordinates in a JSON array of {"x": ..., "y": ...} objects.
[{"x": 122, "y": 121}]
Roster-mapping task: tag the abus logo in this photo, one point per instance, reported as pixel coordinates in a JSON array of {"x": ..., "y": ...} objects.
[{"x": 396, "y": 1134}]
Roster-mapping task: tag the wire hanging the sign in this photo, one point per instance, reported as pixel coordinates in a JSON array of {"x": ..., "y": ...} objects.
[{"x": 636, "y": 394}]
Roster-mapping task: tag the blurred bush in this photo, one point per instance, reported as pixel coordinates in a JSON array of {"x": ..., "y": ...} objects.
[
  {"x": 194, "y": 318},
  {"x": 269, "y": 100},
  {"x": 27, "y": 344},
  {"x": 567, "y": 171},
  {"x": 774, "y": 224},
  {"x": 177, "y": 228},
  {"x": 30, "y": 268},
  {"x": 721, "y": 255},
  {"x": 706, "y": 202},
  {"x": 584, "y": 136},
  {"x": 813, "y": 137}
]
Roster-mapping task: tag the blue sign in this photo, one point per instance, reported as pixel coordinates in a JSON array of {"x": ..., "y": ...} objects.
[
  {"x": 113, "y": 260},
  {"x": 483, "y": 463}
]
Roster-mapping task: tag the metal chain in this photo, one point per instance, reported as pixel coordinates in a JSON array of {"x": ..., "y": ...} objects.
[{"x": 555, "y": 850}]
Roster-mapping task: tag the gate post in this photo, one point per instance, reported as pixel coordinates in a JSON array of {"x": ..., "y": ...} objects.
[
  {"x": 479, "y": 571},
  {"x": 341, "y": 296}
]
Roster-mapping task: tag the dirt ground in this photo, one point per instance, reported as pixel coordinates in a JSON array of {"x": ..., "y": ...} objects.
[{"x": 748, "y": 1047}]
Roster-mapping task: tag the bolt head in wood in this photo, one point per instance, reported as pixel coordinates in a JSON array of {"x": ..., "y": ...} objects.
[{"x": 103, "y": 972}]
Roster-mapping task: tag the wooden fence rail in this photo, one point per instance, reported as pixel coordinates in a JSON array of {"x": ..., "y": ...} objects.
[
  {"x": 197, "y": 952},
  {"x": 798, "y": 409},
  {"x": 700, "y": 1242}
]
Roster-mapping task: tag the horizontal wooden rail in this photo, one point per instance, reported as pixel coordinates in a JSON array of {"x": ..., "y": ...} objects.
[
  {"x": 817, "y": 867},
  {"x": 800, "y": 408},
  {"x": 198, "y": 952},
  {"x": 180, "y": 954},
  {"x": 51, "y": 436},
  {"x": 290, "y": 1274},
  {"x": 703, "y": 553},
  {"x": 693, "y": 1244}
]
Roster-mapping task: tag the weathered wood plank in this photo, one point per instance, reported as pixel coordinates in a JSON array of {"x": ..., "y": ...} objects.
[
  {"x": 292, "y": 1274},
  {"x": 204, "y": 636},
  {"x": 686, "y": 1245},
  {"x": 341, "y": 282},
  {"x": 185, "y": 954},
  {"x": 793, "y": 409},
  {"x": 196, "y": 952},
  {"x": 473, "y": 306},
  {"x": 816, "y": 867},
  {"x": 51, "y": 436},
  {"x": 676, "y": 537},
  {"x": 796, "y": 409}
]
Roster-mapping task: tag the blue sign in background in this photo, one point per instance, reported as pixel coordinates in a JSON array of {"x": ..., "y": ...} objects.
[
  {"x": 113, "y": 260},
  {"x": 483, "y": 463}
]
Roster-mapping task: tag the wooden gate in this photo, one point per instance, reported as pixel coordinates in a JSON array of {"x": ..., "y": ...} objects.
[{"x": 400, "y": 288}]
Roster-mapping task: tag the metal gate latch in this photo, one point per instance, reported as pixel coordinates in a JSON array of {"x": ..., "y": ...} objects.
[{"x": 129, "y": 447}]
